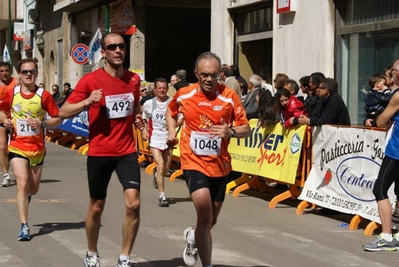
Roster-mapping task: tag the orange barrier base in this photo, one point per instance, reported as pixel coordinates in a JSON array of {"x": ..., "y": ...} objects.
[
  {"x": 243, "y": 179},
  {"x": 303, "y": 205},
  {"x": 78, "y": 143},
  {"x": 150, "y": 168},
  {"x": 176, "y": 174},
  {"x": 80, "y": 150},
  {"x": 293, "y": 193},
  {"x": 370, "y": 228},
  {"x": 253, "y": 183}
]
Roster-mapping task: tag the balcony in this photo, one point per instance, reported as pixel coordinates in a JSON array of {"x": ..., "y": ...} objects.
[{"x": 73, "y": 5}]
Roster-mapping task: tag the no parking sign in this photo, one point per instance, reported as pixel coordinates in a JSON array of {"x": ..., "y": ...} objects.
[{"x": 80, "y": 53}]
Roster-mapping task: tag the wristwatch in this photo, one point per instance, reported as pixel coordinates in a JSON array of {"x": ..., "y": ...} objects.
[
  {"x": 233, "y": 132},
  {"x": 43, "y": 124}
]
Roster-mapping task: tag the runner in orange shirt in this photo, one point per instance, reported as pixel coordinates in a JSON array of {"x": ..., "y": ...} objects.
[
  {"x": 212, "y": 115},
  {"x": 6, "y": 82}
]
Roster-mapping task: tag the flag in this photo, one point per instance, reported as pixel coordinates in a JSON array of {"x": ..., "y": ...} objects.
[
  {"x": 6, "y": 55},
  {"x": 95, "y": 48}
]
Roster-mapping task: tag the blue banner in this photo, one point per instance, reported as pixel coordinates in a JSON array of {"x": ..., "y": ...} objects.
[{"x": 78, "y": 125}]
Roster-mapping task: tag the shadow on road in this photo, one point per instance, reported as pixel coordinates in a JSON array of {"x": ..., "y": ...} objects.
[
  {"x": 51, "y": 227},
  {"x": 47, "y": 181},
  {"x": 175, "y": 200},
  {"x": 178, "y": 262}
]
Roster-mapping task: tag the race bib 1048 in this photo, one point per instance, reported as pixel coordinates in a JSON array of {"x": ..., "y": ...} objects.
[{"x": 205, "y": 144}]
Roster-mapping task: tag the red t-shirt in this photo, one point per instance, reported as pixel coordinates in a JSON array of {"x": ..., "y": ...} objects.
[
  {"x": 200, "y": 113},
  {"x": 109, "y": 135}
]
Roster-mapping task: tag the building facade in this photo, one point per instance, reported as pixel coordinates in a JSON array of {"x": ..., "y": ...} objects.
[{"x": 349, "y": 40}]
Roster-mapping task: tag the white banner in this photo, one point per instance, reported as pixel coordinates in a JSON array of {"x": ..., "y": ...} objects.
[
  {"x": 6, "y": 54},
  {"x": 95, "y": 48},
  {"x": 346, "y": 165}
]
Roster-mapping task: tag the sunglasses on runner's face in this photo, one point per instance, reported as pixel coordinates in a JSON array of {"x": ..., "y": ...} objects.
[
  {"x": 25, "y": 72},
  {"x": 112, "y": 47}
]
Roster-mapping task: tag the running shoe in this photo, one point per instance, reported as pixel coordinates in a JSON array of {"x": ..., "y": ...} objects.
[
  {"x": 123, "y": 264},
  {"x": 24, "y": 233},
  {"x": 190, "y": 253},
  {"x": 92, "y": 261},
  {"x": 380, "y": 244},
  {"x": 154, "y": 182},
  {"x": 6, "y": 181},
  {"x": 396, "y": 238},
  {"x": 163, "y": 202}
]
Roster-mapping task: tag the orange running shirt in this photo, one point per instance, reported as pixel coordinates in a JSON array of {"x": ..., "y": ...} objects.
[
  {"x": 4, "y": 88},
  {"x": 200, "y": 113}
]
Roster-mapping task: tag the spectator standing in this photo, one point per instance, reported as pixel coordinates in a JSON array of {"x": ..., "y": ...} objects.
[
  {"x": 28, "y": 105},
  {"x": 313, "y": 101},
  {"x": 173, "y": 80},
  {"x": 41, "y": 85},
  {"x": 111, "y": 95},
  {"x": 6, "y": 83},
  {"x": 267, "y": 115},
  {"x": 56, "y": 92},
  {"x": 65, "y": 94},
  {"x": 388, "y": 173},
  {"x": 250, "y": 104},
  {"x": 334, "y": 110},
  {"x": 181, "y": 79},
  {"x": 154, "y": 112},
  {"x": 264, "y": 74},
  {"x": 237, "y": 75},
  {"x": 205, "y": 168},
  {"x": 279, "y": 81},
  {"x": 228, "y": 80}
]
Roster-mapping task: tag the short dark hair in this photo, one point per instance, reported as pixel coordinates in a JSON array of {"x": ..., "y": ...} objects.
[
  {"x": 317, "y": 78},
  {"x": 264, "y": 74},
  {"x": 304, "y": 81},
  {"x": 160, "y": 80},
  {"x": 227, "y": 71},
  {"x": 375, "y": 79},
  {"x": 331, "y": 85},
  {"x": 181, "y": 74},
  {"x": 294, "y": 85},
  {"x": 26, "y": 60},
  {"x": 67, "y": 84},
  {"x": 5, "y": 64}
]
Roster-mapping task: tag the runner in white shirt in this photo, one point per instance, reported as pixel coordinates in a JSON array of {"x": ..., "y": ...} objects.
[{"x": 154, "y": 111}]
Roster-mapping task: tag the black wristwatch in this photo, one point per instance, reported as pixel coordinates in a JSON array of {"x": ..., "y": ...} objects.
[
  {"x": 233, "y": 132},
  {"x": 43, "y": 124}
]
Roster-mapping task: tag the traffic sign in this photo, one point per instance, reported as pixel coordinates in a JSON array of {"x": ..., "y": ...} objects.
[{"x": 80, "y": 53}]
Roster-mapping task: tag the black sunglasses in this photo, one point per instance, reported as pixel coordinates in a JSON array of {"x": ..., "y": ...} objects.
[
  {"x": 112, "y": 47},
  {"x": 143, "y": 90},
  {"x": 25, "y": 72}
]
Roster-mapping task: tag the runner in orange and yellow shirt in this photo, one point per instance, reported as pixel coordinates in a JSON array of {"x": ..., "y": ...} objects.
[
  {"x": 6, "y": 83},
  {"x": 212, "y": 114},
  {"x": 28, "y": 105}
]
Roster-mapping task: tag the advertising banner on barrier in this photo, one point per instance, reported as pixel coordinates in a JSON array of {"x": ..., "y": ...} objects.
[
  {"x": 268, "y": 152},
  {"x": 346, "y": 165},
  {"x": 78, "y": 125}
]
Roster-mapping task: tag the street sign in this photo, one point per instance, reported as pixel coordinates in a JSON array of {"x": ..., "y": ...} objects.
[{"x": 80, "y": 53}]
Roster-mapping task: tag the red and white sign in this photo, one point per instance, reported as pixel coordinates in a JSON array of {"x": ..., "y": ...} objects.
[
  {"x": 80, "y": 53},
  {"x": 284, "y": 6}
]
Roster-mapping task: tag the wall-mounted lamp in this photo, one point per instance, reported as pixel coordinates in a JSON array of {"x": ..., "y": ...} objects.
[{"x": 86, "y": 33}]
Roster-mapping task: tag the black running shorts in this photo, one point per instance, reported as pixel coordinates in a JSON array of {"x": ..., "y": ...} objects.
[{"x": 196, "y": 180}]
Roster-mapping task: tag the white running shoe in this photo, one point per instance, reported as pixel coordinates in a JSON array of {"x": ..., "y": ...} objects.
[
  {"x": 92, "y": 261},
  {"x": 6, "y": 181},
  {"x": 190, "y": 253}
]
